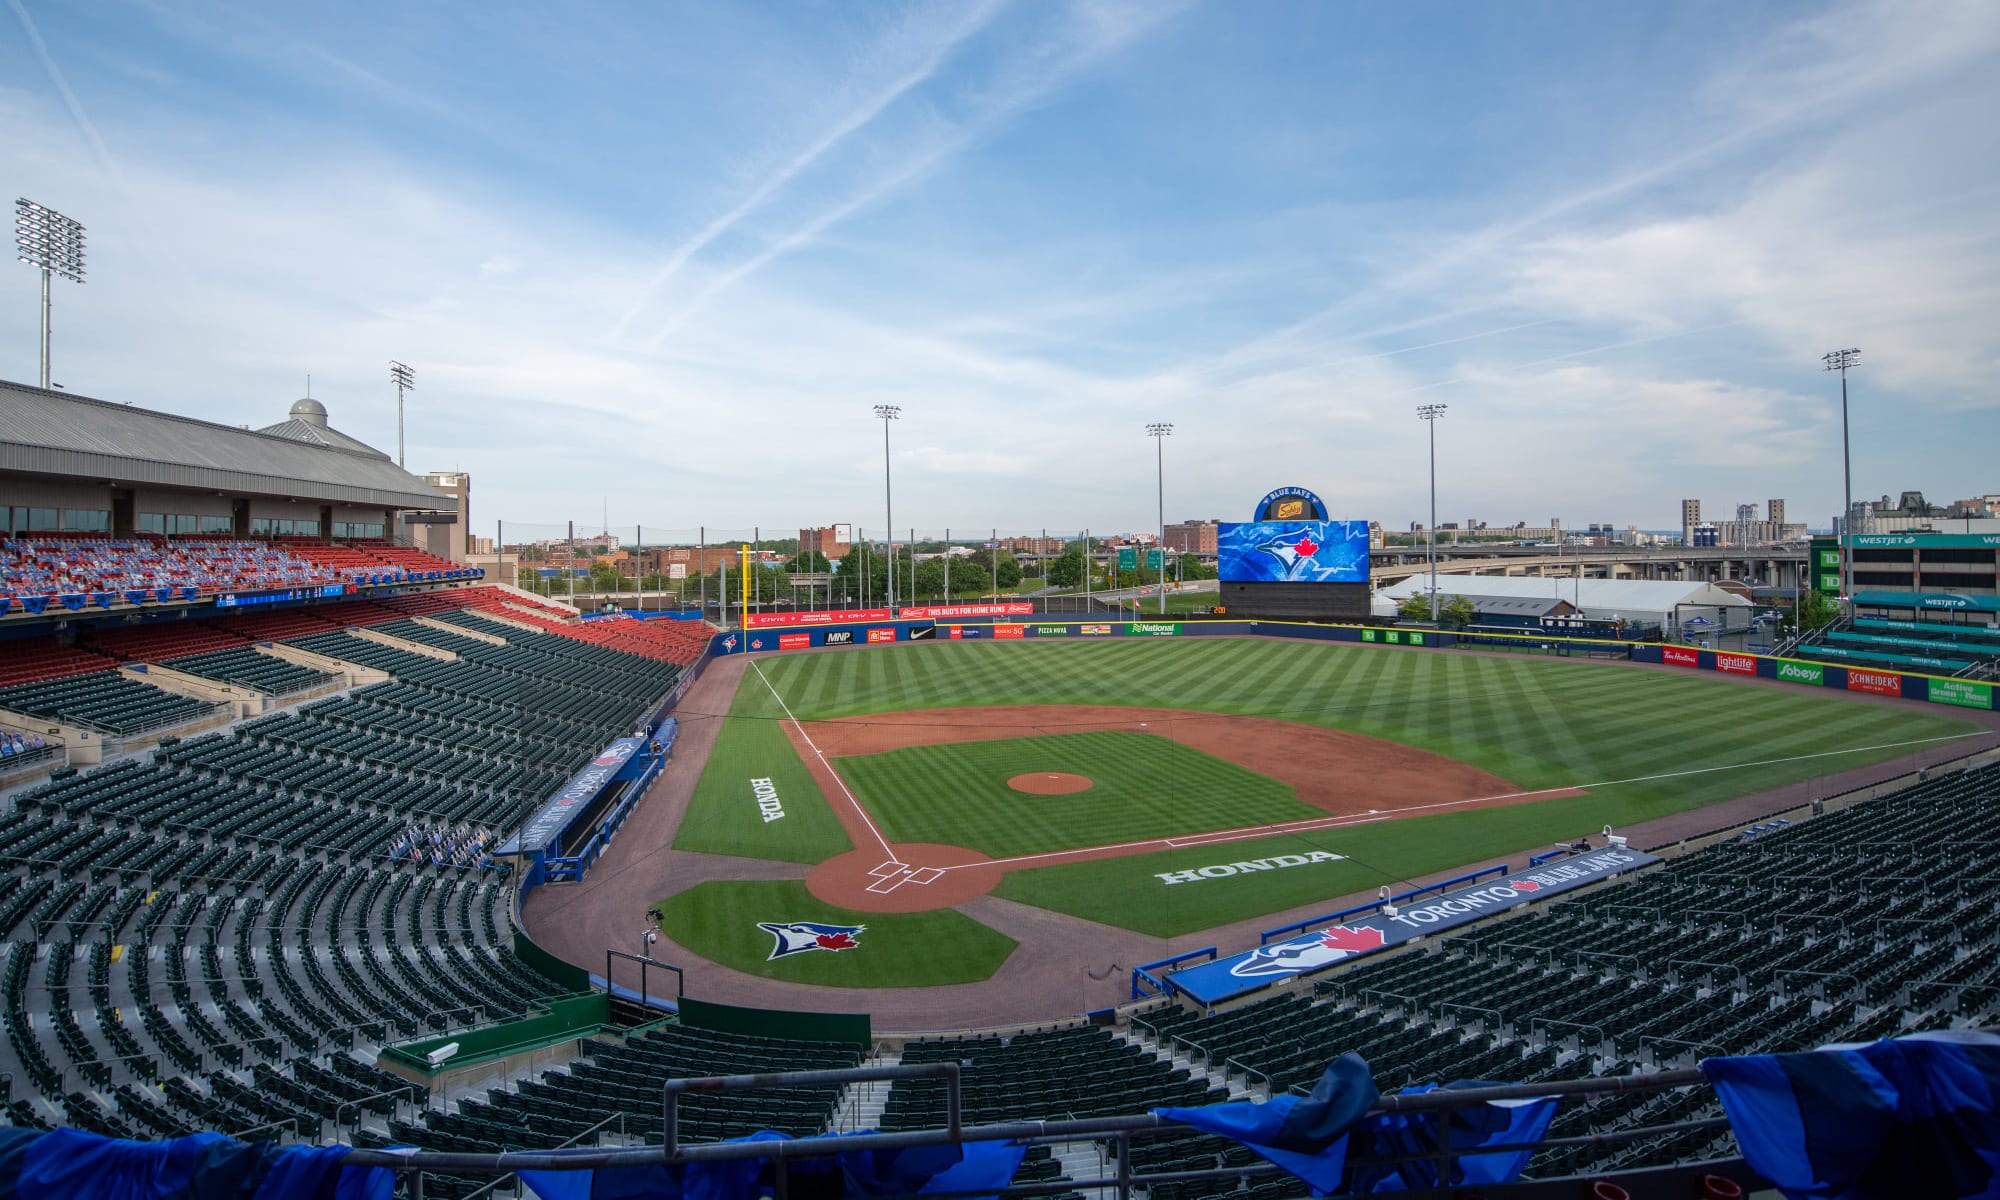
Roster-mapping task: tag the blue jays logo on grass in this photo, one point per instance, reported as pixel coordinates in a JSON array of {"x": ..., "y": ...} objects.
[{"x": 797, "y": 937}]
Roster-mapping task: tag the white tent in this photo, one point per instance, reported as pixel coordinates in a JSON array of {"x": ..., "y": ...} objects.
[{"x": 1645, "y": 601}]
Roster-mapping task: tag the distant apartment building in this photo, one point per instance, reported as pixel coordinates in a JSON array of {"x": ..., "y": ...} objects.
[
  {"x": 1034, "y": 545},
  {"x": 1193, "y": 537},
  {"x": 1690, "y": 517},
  {"x": 833, "y": 541}
]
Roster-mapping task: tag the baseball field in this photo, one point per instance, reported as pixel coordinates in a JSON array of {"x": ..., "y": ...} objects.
[{"x": 1172, "y": 786}]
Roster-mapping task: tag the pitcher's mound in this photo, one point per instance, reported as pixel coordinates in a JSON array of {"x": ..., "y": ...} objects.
[{"x": 1046, "y": 783}]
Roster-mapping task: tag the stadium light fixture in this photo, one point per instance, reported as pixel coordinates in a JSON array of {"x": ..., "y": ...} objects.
[
  {"x": 52, "y": 244},
  {"x": 1430, "y": 414},
  {"x": 1840, "y": 360},
  {"x": 1160, "y": 431},
  {"x": 888, "y": 413},
  {"x": 405, "y": 379}
]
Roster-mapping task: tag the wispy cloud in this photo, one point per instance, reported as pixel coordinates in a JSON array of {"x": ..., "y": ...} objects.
[
  {"x": 1020, "y": 81},
  {"x": 971, "y": 18},
  {"x": 98, "y": 150}
]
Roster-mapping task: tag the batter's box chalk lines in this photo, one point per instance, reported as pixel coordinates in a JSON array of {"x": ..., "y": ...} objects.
[
  {"x": 890, "y": 883},
  {"x": 926, "y": 875},
  {"x": 887, "y": 869}
]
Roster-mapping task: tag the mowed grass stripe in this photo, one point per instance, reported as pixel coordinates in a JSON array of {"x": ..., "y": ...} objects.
[
  {"x": 1146, "y": 786},
  {"x": 723, "y": 816}
]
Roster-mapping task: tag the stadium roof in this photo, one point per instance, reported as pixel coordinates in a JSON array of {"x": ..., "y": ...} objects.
[
  {"x": 54, "y": 433},
  {"x": 1593, "y": 597}
]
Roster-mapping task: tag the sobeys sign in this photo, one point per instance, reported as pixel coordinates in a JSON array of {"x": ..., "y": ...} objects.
[
  {"x": 1801, "y": 672},
  {"x": 1961, "y": 693}
]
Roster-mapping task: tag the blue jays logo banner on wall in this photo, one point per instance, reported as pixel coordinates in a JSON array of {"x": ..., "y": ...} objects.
[{"x": 1331, "y": 944}]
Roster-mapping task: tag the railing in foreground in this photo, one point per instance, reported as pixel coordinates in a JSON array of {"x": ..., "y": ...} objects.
[{"x": 1120, "y": 1129}]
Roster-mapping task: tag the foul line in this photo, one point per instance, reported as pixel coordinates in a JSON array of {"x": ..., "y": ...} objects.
[
  {"x": 1316, "y": 824},
  {"x": 818, "y": 753}
]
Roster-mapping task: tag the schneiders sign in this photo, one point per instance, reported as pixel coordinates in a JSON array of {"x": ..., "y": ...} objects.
[{"x": 1325, "y": 946}]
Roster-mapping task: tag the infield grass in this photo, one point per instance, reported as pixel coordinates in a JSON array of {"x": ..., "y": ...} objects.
[
  {"x": 719, "y": 921},
  {"x": 1144, "y": 786}
]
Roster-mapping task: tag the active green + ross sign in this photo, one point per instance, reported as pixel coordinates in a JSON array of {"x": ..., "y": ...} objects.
[
  {"x": 1799, "y": 672},
  {"x": 1151, "y": 629},
  {"x": 1962, "y": 692}
]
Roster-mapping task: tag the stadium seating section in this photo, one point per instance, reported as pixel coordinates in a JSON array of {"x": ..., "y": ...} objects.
[
  {"x": 1900, "y": 643},
  {"x": 251, "y": 912},
  {"x": 220, "y": 936},
  {"x": 79, "y": 571}
]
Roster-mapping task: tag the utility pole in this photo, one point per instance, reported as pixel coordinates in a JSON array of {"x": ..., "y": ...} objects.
[
  {"x": 53, "y": 245},
  {"x": 888, "y": 413},
  {"x": 1430, "y": 414},
  {"x": 1841, "y": 360},
  {"x": 1160, "y": 431},
  {"x": 405, "y": 379}
]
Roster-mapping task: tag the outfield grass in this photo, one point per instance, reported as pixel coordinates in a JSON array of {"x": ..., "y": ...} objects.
[
  {"x": 1646, "y": 743},
  {"x": 723, "y": 816},
  {"x": 719, "y": 921},
  {"x": 1145, "y": 787}
]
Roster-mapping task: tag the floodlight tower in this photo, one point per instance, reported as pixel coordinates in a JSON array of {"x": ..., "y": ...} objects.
[
  {"x": 1840, "y": 360},
  {"x": 1160, "y": 431},
  {"x": 1430, "y": 414},
  {"x": 888, "y": 413},
  {"x": 405, "y": 380},
  {"x": 53, "y": 244}
]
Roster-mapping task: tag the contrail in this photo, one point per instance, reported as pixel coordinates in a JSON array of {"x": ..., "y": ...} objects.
[{"x": 860, "y": 117}]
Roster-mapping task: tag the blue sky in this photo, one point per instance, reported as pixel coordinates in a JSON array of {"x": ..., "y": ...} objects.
[{"x": 673, "y": 253}]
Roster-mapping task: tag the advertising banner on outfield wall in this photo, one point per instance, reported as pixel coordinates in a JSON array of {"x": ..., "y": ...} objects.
[
  {"x": 1736, "y": 664},
  {"x": 1213, "y": 982},
  {"x": 1680, "y": 656},
  {"x": 794, "y": 641},
  {"x": 841, "y": 617},
  {"x": 1962, "y": 692},
  {"x": 1880, "y": 683},
  {"x": 939, "y": 612},
  {"x": 1799, "y": 672}
]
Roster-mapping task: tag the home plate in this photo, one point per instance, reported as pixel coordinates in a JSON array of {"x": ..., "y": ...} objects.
[
  {"x": 884, "y": 870},
  {"x": 925, "y": 875},
  {"x": 889, "y": 883}
]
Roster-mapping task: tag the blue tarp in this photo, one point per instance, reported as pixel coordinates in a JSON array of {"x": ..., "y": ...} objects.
[
  {"x": 68, "y": 1164},
  {"x": 916, "y": 1170},
  {"x": 1912, "y": 1116}
]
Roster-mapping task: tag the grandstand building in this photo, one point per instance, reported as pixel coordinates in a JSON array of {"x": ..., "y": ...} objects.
[{"x": 74, "y": 465}]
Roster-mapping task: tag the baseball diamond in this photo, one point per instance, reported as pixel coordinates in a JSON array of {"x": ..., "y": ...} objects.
[{"x": 1232, "y": 784}]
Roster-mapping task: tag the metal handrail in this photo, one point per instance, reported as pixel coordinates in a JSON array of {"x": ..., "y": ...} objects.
[
  {"x": 291, "y": 1123},
  {"x": 671, "y": 1090},
  {"x": 1031, "y": 1131},
  {"x": 402, "y": 1095}
]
